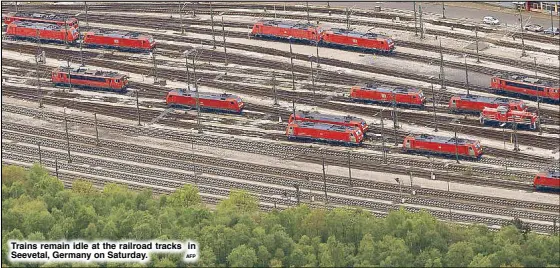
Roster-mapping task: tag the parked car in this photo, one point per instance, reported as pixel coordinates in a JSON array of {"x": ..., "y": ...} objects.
[
  {"x": 551, "y": 30},
  {"x": 534, "y": 28},
  {"x": 490, "y": 20}
]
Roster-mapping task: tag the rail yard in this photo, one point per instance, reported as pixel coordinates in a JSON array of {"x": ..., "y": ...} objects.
[{"x": 395, "y": 108}]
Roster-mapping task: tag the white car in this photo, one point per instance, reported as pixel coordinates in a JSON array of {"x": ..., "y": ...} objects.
[{"x": 491, "y": 20}]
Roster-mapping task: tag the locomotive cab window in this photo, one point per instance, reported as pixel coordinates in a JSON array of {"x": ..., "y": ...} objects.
[
  {"x": 232, "y": 102},
  {"x": 117, "y": 80}
]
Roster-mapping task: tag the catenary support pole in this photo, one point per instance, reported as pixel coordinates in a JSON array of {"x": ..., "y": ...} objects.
[
  {"x": 56, "y": 166},
  {"x": 434, "y": 106},
  {"x": 225, "y": 46},
  {"x": 467, "y": 75},
  {"x": 67, "y": 137},
  {"x": 476, "y": 36},
  {"x": 421, "y": 22},
  {"x": 86, "y": 8},
  {"x": 443, "y": 9},
  {"x": 324, "y": 178},
  {"x": 312, "y": 78},
  {"x": 96, "y": 130},
  {"x": 40, "y": 156},
  {"x": 212, "y": 25},
  {"x": 307, "y": 9},
  {"x": 523, "y": 53},
  {"x": 350, "y": 170},
  {"x": 456, "y": 147},
  {"x": 441, "y": 69},
  {"x": 188, "y": 73},
  {"x": 39, "y": 94},
  {"x": 198, "y": 123},
  {"x": 155, "y": 65},
  {"x": 383, "y": 138},
  {"x": 415, "y": 21},
  {"x": 138, "y": 108},
  {"x": 292, "y": 67},
  {"x": 274, "y": 88}
]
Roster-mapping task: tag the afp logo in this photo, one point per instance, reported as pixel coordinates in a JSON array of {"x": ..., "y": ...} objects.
[{"x": 192, "y": 252}]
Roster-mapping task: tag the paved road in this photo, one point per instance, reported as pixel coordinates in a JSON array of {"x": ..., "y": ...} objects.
[{"x": 505, "y": 16}]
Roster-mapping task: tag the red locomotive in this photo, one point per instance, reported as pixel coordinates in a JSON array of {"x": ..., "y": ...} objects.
[
  {"x": 549, "y": 180},
  {"x": 525, "y": 86},
  {"x": 374, "y": 93},
  {"x": 208, "y": 101},
  {"x": 353, "y": 39},
  {"x": 442, "y": 145},
  {"x": 82, "y": 77},
  {"x": 43, "y": 31},
  {"x": 312, "y": 33},
  {"x": 120, "y": 40},
  {"x": 285, "y": 29},
  {"x": 349, "y": 121},
  {"x": 324, "y": 132},
  {"x": 43, "y": 18},
  {"x": 473, "y": 103},
  {"x": 503, "y": 114}
]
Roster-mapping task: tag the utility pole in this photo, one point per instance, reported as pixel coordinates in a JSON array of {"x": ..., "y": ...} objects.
[
  {"x": 421, "y": 22},
  {"x": 188, "y": 74},
  {"x": 96, "y": 130},
  {"x": 138, "y": 108},
  {"x": 56, "y": 166},
  {"x": 538, "y": 100},
  {"x": 476, "y": 36},
  {"x": 415, "y": 21},
  {"x": 441, "y": 70},
  {"x": 516, "y": 144},
  {"x": 347, "y": 19},
  {"x": 456, "y": 146},
  {"x": 395, "y": 117},
  {"x": 523, "y": 54},
  {"x": 212, "y": 23},
  {"x": 155, "y": 65},
  {"x": 274, "y": 88},
  {"x": 467, "y": 74},
  {"x": 67, "y": 137},
  {"x": 383, "y": 138},
  {"x": 552, "y": 22},
  {"x": 292, "y": 64},
  {"x": 66, "y": 32},
  {"x": 350, "y": 171},
  {"x": 443, "y": 9},
  {"x": 37, "y": 71},
  {"x": 224, "y": 37},
  {"x": 297, "y": 192},
  {"x": 181, "y": 6},
  {"x": 40, "y": 157},
  {"x": 86, "y": 8},
  {"x": 324, "y": 178},
  {"x": 434, "y": 106},
  {"x": 197, "y": 98},
  {"x": 307, "y": 8},
  {"x": 312, "y": 78}
]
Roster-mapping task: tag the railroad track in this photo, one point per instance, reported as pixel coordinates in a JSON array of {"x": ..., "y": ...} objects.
[
  {"x": 302, "y": 153},
  {"x": 173, "y": 9},
  {"x": 325, "y": 101},
  {"x": 176, "y": 180}
]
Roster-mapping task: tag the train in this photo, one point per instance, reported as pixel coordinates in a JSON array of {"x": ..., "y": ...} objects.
[
  {"x": 524, "y": 86},
  {"x": 347, "y": 135},
  {"x": 413, "y": 97},
  {"x": 126, "y": 41},
  {"x": 439, "y": 145},
  {"x": 130, "y": 41},
  {"x": 85, "y": 78},
  {"x": 548, "y": 181},
  {"x": 43, "y": 31},
  {"x": 57, "y": 19},
  {"x": 504, "y": 115},
  {"x": 349, "y": 121},
  {"x": 208, "y": 101},
  {"x": 317, "y": 35},
  {"x": 475, "y": 104}
]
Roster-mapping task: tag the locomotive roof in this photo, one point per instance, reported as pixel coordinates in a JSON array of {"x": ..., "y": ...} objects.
[
  {"x": 553, "y": 174},
  {"x": 334, "y": 118},
  {"x": 122, "y": 34},
  {"x": 38, "y": 25},
  {"x": 288, "y": 24},
  {"x": 485, "y": 99},
  {"x": 524, "y": 79},
  {"x": 375, "y": 87},
  {"x": 204, "y": 95},
  {"x": 323, "y": 126},
  {"x": 44, "y": 16},
  {"x": 85, "y": 71},
  {"x": 357, "y": 34},
  {"x": 441, "y": 139}
]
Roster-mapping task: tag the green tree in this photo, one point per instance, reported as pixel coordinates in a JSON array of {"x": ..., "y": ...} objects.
[
  {"x": 459, "y": 255},
  {"x": 242, "y": 256},
  {"x": 187, "y": 196}
]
